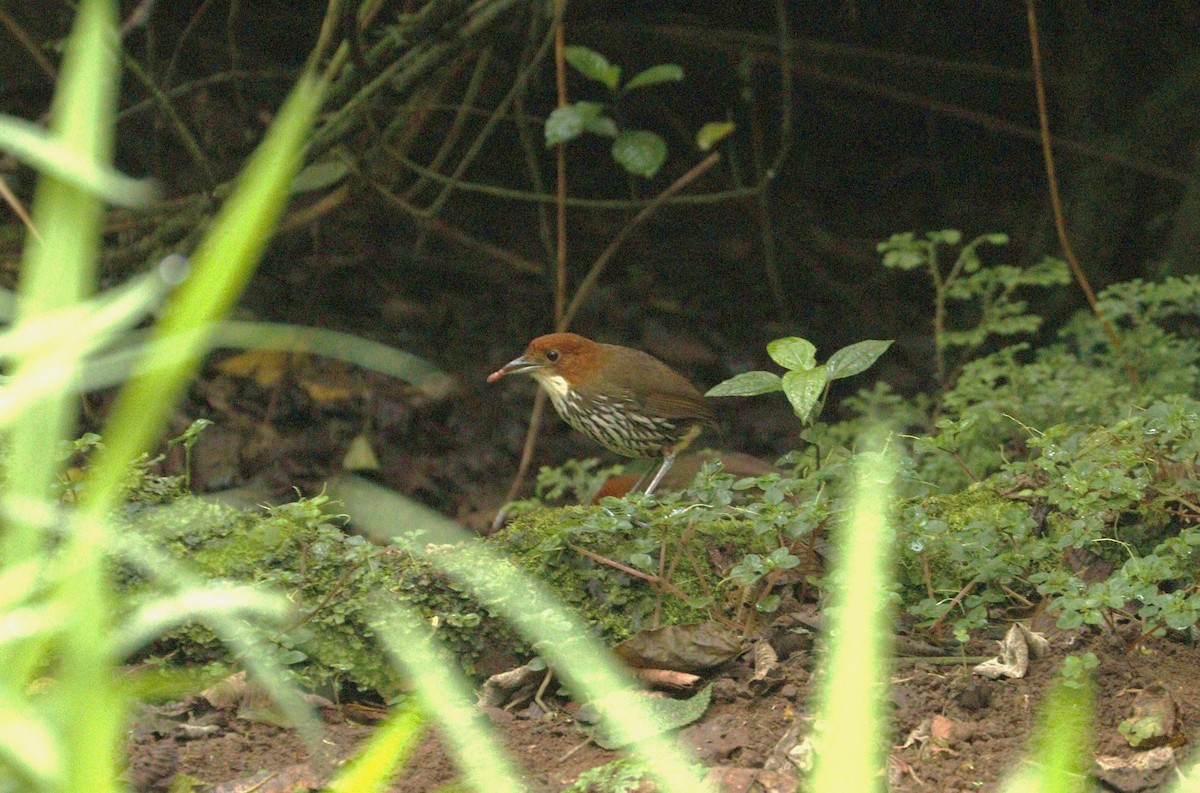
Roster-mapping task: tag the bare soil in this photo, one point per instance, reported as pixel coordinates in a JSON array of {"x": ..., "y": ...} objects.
[{"x": 952, "y": 730}]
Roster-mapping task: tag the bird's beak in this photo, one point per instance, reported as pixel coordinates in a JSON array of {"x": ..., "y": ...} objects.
[{"x": 515, "y": 366}]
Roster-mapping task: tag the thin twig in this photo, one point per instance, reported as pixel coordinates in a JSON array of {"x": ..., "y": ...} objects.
[
  {"x": 531, "y": 435},
  {"x": 954, "y": 601},
  {"x": 647, "y": 577},
  {"x": 560, "y": 190},
  {"x": 1060, "y": 224},
  {"x": 18, "y": 33},
  {"x": 766, "y": 224},
  {"x": 658, "y": 597},
  {"x": 531, "y": 141},
  {"x": 589, "y": 281},
  {"x": 137, "y": 18},
  {"x": 283, "y": 75},
  {"x": 176, "y": 122},
  {"x": 786, "y": 45},
  {"x": 192, "y": 22},
  {"x": 451, "y": 136},
  {"x": 1018, "y": 597},
  {"x": 18, "y": 208},
  {"x": 761, "y": 47},
  {"x": 485, "y": 133},
  {"x": 619, "y": 204}
]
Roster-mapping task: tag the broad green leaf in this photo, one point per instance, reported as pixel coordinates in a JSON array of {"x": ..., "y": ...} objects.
[
  {"x": 712, "y": 133},
  {"x": 593, "y": 65},
  {"x": 946, "y": 236},
  {"x": 640, "y": 152},
  {"x": 1048, "y": 272},
  {"x": 904, "y": 259},
  {"x": 803, "y": 389},
  {"x": 602, "y": 125},
  {"x": 568, "y": 122},
  {"x": 665, "y": 714},
  {"x": 856, "y": 358},
  {"x": 747, "y": 384},
  {"x": 793, "y": 353},
  {"x": 768, "y": 605},
  {"x": 662, "y": 73}
]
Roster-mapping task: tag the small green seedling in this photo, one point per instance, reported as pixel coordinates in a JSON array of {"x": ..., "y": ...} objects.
[
  {"x": 638, "y": 151},
  {"x": 805, "y": 384}
]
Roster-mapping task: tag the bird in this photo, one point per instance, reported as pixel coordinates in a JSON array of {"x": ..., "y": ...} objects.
[{"x": 626, "y": 400}]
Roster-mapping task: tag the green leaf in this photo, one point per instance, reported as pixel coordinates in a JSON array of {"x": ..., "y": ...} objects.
[
  {"x": 567, "y": 123},
  {"x": 747, "y": 384},
  {"x": 904, "y": 260},
  {"x": 768, "y": 604},
  {"x": 712, "y": 133},
  {"x": 803, "y": 389},
  {"x": 640, "y": 152},
  {"x": 319, "y": 176},
  {"x": 946, "y": 236},
  {"x": 665, "y": 714},
  {"x": 593, "y": 65},
  {"x": 662, "y": 73},
  {"x": 856, "y": 358},
  {"x": 602, "y": 125},
  {"x": 793, "y": 353}
]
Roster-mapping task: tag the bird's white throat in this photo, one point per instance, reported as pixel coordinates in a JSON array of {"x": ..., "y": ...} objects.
[{"x": 556, "y": 386}]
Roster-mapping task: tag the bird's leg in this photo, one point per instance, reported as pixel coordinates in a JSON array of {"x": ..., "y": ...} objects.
[
  {"x": 642, "y": 478},
  {"x": 667, "y": 462}
]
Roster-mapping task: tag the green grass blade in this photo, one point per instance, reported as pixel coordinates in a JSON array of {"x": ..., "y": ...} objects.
[
  {"x": 852, "y": 728},
  {"x": 1060, "y": 758},
  {"x": 61, "y": 160},
  {"x": 90, "y": 705},
  {"x": 59, "y": 267},
  {"x": 1190, "y": 782},
  {"x": 27, "y": 747},
  {"x": 346, "y": 347},
  {"x": 446, "y": 693},
  {"x": 59, "y": 271},
  {"x": 221, "y": 267},
  {"x": 389, "y": 748},
  {"x": 243, "y": 640},
  {"x": 560, "y": 636},
  {"x": 55, "y": 343}
]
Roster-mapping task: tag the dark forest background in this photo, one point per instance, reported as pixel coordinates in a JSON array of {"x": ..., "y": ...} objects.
[{"x": 434, "y": 231}]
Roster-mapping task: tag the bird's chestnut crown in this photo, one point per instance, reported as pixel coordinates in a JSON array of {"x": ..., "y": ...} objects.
[{"x": 568, "y": 355}]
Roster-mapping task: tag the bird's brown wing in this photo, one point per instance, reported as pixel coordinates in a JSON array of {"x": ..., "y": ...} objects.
[{"x": 683, "y": 405}]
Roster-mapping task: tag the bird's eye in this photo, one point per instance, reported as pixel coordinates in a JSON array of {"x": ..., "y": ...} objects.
[{"x": 552, "y": 356}]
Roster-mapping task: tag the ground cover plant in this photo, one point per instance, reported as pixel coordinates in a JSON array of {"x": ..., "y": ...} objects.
[{"x": 1050, "y": 479}]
